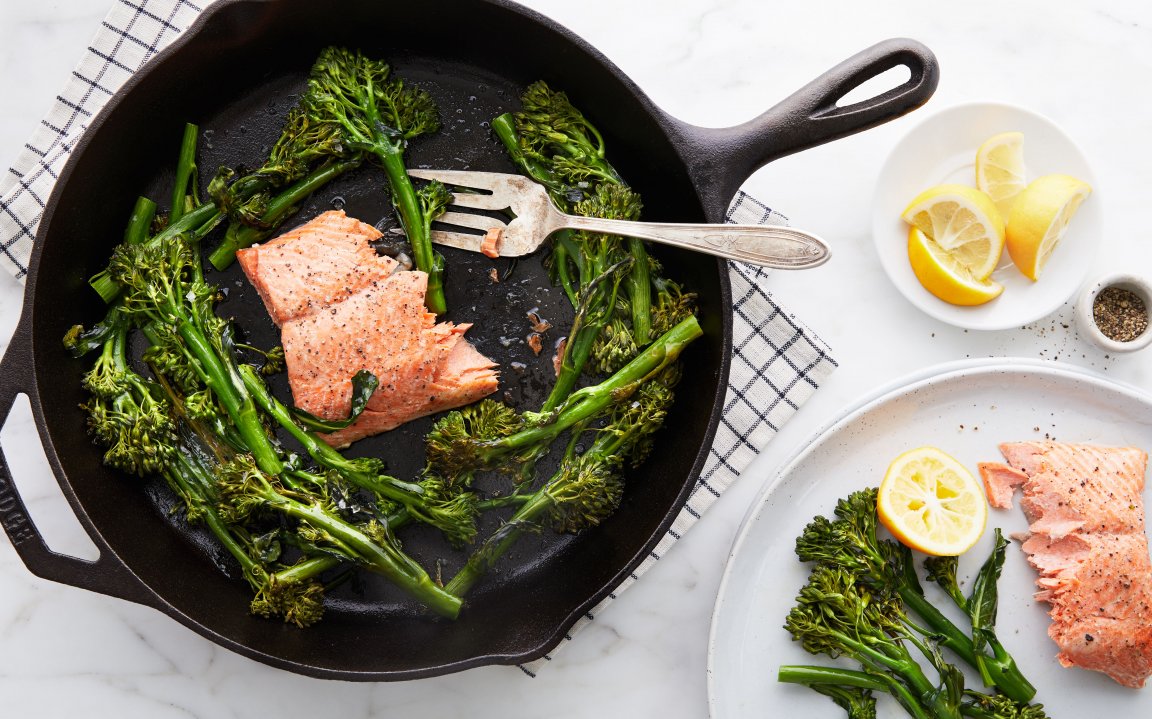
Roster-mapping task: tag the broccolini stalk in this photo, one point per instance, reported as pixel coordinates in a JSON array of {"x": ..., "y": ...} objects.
[
  {"x": 851, "y": 689},
  {"x": 380, "y": 115},
  {"x": 245, "y": 489},
  {"x": 140, "y": 222},
  {"x": 980, "y": 605},
  {"x": 456, "y": 446},
  {"x": 182, "y": 201}
]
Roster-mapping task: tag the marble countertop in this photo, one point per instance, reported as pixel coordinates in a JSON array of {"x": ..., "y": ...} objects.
[{"x": 712, "y": 62}]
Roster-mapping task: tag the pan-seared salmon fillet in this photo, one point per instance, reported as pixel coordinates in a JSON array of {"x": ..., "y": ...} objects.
[
  {"x": 341, "y": 308},
  {"x": 319, "y": 263},
  {"x": 1086, "y": 523}
]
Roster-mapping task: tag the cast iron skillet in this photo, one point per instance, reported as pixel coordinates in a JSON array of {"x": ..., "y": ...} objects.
[{"x": 236, "y": 72}]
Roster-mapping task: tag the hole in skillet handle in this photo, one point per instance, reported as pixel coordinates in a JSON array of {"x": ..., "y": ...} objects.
[
  {"x": 105, "y": 574},
  {"x": 32, "y": 479},
  {"x": 890, "y": 79}
]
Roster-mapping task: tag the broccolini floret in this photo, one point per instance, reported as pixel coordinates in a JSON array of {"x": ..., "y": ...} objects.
[{"x": 378, "y": 115}]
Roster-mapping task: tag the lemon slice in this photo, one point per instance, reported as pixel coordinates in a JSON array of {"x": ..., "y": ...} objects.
[
  {"x": 1039, "y": 219},
  {"x": 1000, "y": 169},
  {"x": 963, "y": 221},
  {"x": 944, "y": 275},
  {"x": 932, "y": 503}
]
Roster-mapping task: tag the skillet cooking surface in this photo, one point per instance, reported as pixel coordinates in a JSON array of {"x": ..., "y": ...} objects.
[{"x": 237, "y": 79}]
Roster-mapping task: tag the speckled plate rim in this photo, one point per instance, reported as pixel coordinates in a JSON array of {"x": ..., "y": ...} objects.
[
  {"x": 907, "y": 384},
  {"x": 942, "y": 148}
]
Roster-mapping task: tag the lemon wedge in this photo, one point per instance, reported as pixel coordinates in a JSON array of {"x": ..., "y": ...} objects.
[
  {"x": 944, "y": 275},
  {"x": 962, "y": 221},
  {"x": 932, "y": 503},
  {"x": 1039, "y": 218},
  {"x": 1000, "y": 169}
]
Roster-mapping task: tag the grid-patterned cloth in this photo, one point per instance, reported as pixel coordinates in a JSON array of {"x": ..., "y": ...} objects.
[
  {"x": 132, "y": 33},
  {"x": 777, "y": 362}
]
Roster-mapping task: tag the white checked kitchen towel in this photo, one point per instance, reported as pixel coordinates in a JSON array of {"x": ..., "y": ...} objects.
[{"x": 777, "y": 363}]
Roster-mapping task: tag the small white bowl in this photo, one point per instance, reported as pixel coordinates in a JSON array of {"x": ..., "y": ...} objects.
[
  {"x": 1086, "y": 324},
  {"x": 942, "y": 148}
]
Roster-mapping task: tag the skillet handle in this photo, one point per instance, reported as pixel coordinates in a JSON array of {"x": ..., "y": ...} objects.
[
  {"x": 720, "y": 160},
  {"x": 107, "y": 574}
]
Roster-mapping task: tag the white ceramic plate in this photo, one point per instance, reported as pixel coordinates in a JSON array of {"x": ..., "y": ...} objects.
[
  {"x": 966, "y": 409},
  {"x": 943, "y": 149}
]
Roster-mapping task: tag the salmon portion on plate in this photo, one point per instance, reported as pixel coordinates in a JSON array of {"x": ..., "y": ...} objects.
[
  {"x": 1086, "y": 540},
  {"x": 342, "y": 308}
]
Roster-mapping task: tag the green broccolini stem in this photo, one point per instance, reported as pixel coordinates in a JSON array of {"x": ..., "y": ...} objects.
[
  {"x": 233, "y": 396},
  {"x": 640, "y": 292},
  {"x": 185, "y": 173},
  {"x": 597, "y": 298},
  {"x": 307, "y": 569},
  {"x": 814, "y": 676},
  {"x": 561, "y": 253},
  {"x": 412, "y": 219},
  {"x": 140, "y": 221},
  {"x": 526, "y": 518}
]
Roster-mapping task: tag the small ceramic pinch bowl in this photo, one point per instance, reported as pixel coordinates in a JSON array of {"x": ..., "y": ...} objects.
[{"x": 1086, "y": 322}]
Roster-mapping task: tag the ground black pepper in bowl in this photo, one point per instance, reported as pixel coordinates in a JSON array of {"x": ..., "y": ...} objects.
[{"x": 1120, "y": 314}]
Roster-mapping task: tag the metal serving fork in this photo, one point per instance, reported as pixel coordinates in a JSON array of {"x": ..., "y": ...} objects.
[{"x": 536, "y": 218}]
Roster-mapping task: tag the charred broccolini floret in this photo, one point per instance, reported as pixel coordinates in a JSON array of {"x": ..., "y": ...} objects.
[
  {"x": 378, "y": 115},
  {"x": 126, "y": 412}
]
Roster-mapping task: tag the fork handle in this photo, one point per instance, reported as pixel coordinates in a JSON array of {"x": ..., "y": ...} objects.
[{"x": 766, "y": 245}]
